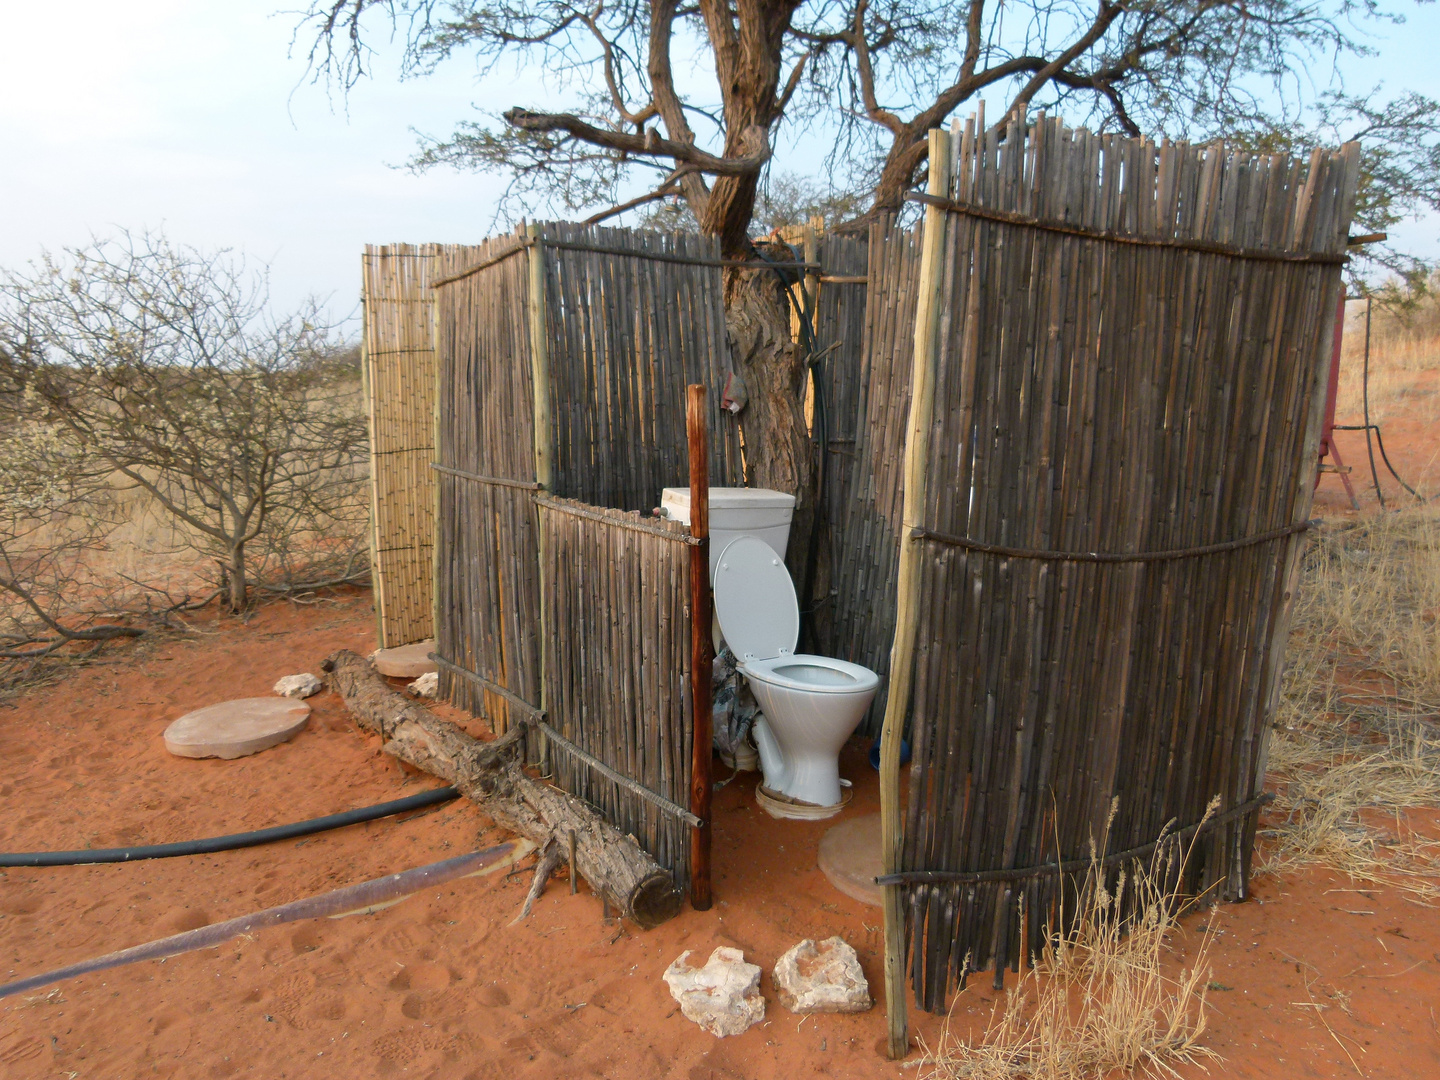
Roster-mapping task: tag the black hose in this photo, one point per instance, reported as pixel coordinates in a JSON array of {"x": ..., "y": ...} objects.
[{"x": 234, "y": 840}]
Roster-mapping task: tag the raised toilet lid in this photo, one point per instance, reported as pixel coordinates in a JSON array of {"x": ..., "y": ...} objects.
[{"x": 755, "y": 600}]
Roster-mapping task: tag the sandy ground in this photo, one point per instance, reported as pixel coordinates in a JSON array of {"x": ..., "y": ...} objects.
[
  {"x": 441, "y": 985},
  {"x": 1312, "y": 978}
]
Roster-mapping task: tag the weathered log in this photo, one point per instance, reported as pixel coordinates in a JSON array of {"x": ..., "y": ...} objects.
[{"x": 616, "y": 868}]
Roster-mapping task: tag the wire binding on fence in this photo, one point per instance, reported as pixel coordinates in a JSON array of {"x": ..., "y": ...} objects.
[
  {"x": 652, "y": 797},
  {"x": 635, "y": 524},
  {"x": 634, "y": 253},
  {"x": 1111, "y": 557},
  {"x": 530, "y": 710},
  {"x": 976, "y": 877},
  {"x": 1205, "y": 247},
  {"x": 499, "y": 481}
]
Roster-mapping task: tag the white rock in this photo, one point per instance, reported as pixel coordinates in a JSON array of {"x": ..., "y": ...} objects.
[
  {"x": 427, "y": 685},
  {"x": 298, "y": 685},
  {"x": 826, "y": 977},
  {"x": 723, "y": 997}
]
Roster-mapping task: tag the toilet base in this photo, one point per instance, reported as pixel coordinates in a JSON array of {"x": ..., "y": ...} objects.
[{"x": 786, "y": 808}]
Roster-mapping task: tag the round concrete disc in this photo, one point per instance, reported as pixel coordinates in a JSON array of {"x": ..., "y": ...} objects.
[
  {"x": 850, "y": 858},
  {"x": 233, "y": 729},
  {"x": 407, "y": 661}
]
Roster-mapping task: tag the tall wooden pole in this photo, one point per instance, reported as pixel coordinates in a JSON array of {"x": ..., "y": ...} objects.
[
  {"x": 907, "y": 612},
  {"x": 540, "y": 387},
  {"x": 701, "y": 649}
]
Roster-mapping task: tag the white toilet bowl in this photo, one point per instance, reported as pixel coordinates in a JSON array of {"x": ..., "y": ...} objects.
[{"x": 812, "y": 704}]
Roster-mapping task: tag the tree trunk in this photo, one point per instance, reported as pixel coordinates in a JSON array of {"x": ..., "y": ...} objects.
[
  {"x": 613, "y": 864},
  {"x": 236, "y": 587},
  {"x": 779, "y": 452}
]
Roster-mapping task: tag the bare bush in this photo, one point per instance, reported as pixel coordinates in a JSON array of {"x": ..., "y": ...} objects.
[
  {"x": 53, "y": 514},
  {"x": 158, "y": 365}
]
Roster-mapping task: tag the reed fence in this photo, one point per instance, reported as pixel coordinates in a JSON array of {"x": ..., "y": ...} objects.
[
  {"x": 564, "y": 356},
  {"x": 1117, "y": 395},
  {"x": 837, "y": 297},
  {"x": 872, "y": 395},
  {"x": 487, "y": 587},
  {"x": 617, "y": 678},
  {"x": 398, "y": 364}
]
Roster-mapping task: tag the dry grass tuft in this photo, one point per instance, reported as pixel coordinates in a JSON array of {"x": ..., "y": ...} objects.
[
  {"x": 1357, "y": 733},
  {"x": 1098, "y": 999}
]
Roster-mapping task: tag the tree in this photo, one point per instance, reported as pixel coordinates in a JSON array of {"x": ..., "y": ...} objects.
[
  {"x": 157, "y": 366},
  {"x": 871, "y": 77}
]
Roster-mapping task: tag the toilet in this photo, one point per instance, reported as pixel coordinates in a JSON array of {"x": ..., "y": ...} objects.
[{"x": 811, "y": 704}]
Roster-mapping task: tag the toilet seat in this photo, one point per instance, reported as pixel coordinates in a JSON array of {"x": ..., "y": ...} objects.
[
  {"x": 755, "y": 601},
  {"x": 834, "y": 676}
]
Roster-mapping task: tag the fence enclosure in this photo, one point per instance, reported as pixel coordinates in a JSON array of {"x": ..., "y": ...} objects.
[{"x": 1128, "y": 341}]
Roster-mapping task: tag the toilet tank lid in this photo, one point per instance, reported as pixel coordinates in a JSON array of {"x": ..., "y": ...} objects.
[
  {"x": 675, "y": 501},
  {"x": 755, "y": 600}
]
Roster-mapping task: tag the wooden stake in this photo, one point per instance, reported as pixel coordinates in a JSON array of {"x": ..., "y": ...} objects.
[
  {"x": 700, "y": 645},
  {"x": 540, "y": 385},
  {"x": 902, "y": 652}
]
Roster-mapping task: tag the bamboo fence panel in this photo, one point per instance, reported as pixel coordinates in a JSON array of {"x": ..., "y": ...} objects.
[
  {"x": 627, "y": 334},
  {"x": 839, "y": 315},
  {"x": 399, "y": 372},
  {"x": 617, "y": 677},
  {"x": 1099, "y": 395},
  {"x": 487, "y": 565},
  {"x": 865, "y": 515},
  {"x": 566, "y": 606}
]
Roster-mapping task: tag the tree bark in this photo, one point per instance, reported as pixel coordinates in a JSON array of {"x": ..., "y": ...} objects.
[
  {"x": 236, "y": 587},
  {"x": 613, "y": 864},
  {"x": 779, "y": 452}
]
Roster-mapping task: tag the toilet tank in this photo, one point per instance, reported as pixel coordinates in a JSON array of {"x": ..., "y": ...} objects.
[{"x": 736, "y": 512}]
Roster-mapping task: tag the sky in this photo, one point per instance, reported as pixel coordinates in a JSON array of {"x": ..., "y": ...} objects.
[{"x": 194, "y": 117}]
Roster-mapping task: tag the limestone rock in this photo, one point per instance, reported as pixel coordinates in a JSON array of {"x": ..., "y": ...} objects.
[
  {"x": 826, "y": 977},
  {"x": 723, "y": 997},
  {"x": 298, "y": 686},
  {"x": 426, "y": 686}
]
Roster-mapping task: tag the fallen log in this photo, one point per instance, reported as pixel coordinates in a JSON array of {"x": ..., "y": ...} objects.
[{"x": 493, "y": 775}]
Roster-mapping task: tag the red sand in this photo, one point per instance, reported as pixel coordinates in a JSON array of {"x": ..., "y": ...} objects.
[{"x": 441, "y": 985}]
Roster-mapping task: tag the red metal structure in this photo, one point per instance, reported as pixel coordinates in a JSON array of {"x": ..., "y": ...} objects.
[{"x": 1327, "y": 429}]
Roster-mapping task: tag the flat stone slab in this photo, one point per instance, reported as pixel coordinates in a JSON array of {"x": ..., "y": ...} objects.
[
  {"x": 850, "y": 858},
  {"x": 234, "y": 729},
  {"x": 407, "y": 661}
]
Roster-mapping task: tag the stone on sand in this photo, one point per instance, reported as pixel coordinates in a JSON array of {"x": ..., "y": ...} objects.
[
  {"x": 426, "y": 686},
  {"x": 298, "y": 686},
  {"x": 723, "y": 997},
  {"x": 825, "y": 978},
  {"x": 234, "y": 729},
  {"x": 407, "y": 661}
]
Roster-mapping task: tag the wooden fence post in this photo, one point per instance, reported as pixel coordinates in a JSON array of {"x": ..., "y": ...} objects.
[
  {"x": 540, "y": 385},
  {"x": 701, "y": 648},
  {"x": 907, "y": 614}
]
